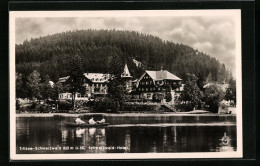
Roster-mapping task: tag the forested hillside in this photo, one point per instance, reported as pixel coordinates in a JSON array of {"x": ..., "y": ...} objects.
[{"x": 50, "y": 54}]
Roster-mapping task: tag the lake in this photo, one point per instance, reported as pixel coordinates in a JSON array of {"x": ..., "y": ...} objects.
[{"x": 159, "y": 134}]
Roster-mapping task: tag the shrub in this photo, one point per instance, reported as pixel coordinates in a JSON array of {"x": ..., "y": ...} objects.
[
  {"x": 213, "y": 96},
  {"x": 168, "y": 97},
  {"x": 88, "y": 103},
  {"x": 105, "y": 105},
  {"x": 65, "y": 105},
  {"x": 33, "y": 106},
  {"x": 43, "y": 108},
  {"x": 184, "y": 107},
  {"x": 141, "y": 107}
]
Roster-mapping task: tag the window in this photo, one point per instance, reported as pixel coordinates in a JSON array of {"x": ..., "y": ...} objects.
[
  {"x": 151, "y": 82},
  {"x": 146, "y": 82},
  {"x": 142, "y": 89},
  {"x": 147, "y": 89},
  {"x": 159, "y": 89},
  {"x": 78, "y": 95},
  {"x": 151, "y": 89}
]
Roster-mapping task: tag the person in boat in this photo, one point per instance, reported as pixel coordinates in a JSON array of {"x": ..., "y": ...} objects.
[
  {"x": 79, "y": 121},
  {"x": 102, "y": 120},
  {"x": 91, "y": 121}
]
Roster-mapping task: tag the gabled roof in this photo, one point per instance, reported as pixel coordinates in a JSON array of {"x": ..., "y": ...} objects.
[
  {"x": 93, "y": 77},
  {"x": 222, "y": 86},
  {"x": 159, "y": 75},
  {"x": 162, "y": 75},
  {"x": 63, "y": 79},
  {"x": 97, "y": 77}
]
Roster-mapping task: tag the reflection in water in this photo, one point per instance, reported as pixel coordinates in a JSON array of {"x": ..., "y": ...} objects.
[
  {"x": 80, "y": 132},
  {"x": 48, "y": 132},
  {"x": 91, "y": 131}
]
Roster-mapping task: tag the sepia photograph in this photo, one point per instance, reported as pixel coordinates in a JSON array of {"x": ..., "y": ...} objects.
[{"x": 135, "y": 84}]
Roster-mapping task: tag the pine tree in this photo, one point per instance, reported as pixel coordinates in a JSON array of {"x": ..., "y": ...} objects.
[
  {"x": 231, "y": 91},
  {"x": 20, "y": 86},
  {"x": 33, "y": 85},
  {"x": 191, "y": 94},
  {"x": 116, "y": 87},
  {"x": 213, "y": 96},
  {"x": 76, "y": 78},
  {"x": 46, "y": 88}
]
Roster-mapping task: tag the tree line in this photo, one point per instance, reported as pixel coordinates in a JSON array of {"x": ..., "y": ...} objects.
[
  {"x": 194, "y": 96},
  {"x": 50, "y": 55}
]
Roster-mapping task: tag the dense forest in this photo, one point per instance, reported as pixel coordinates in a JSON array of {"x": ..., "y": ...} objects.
[{"x": 50, "y": 54}]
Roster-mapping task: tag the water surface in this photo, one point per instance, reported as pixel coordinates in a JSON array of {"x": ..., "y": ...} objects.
[{"x": 127, "y": 135}]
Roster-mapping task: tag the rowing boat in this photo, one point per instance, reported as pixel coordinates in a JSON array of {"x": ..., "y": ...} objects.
[{"x": 71, "y": 124}]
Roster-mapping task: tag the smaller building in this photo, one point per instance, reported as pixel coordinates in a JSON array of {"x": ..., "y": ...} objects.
[
  {"x": 68, "y": 96},
  {"x": 223, "y": 86}
]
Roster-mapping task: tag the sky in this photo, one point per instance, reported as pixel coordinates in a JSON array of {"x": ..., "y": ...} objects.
[{"x": 213, "y": 35}]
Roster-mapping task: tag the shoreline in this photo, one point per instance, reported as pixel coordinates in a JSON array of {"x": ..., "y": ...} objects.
[{"x": 114, "y": 114}]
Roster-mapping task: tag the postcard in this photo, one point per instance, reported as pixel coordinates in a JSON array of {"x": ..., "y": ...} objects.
[{"x": 121, "y": 84}]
